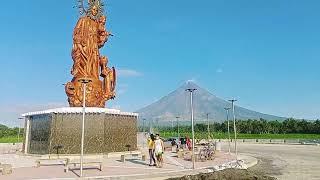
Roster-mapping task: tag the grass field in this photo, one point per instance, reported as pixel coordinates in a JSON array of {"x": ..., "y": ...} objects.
[
  {"x": 10, "y": 139},
  {"x": 167, "y": 134},
  {"x": 244, "y": 136}
]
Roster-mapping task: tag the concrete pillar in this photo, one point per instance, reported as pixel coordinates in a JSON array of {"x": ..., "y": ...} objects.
[{"x": 27, "y": 134}]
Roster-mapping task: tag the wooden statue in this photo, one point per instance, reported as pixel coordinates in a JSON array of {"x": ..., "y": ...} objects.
[{"x": 89, "y": 36}]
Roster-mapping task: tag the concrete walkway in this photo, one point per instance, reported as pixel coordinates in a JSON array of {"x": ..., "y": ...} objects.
[{"x": 112, "y": 168}]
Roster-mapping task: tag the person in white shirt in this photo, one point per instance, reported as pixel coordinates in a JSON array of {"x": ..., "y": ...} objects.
[{"x": 159, "y": 150}]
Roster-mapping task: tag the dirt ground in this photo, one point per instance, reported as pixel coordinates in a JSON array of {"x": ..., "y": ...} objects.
[
  {"x": 282, "y": 161},
  {"x": 266, "y": 167},
  {"x": 227, "y": 174}
]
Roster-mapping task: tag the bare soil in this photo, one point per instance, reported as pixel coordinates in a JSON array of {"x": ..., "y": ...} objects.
[{"x": 227, "y": 174}]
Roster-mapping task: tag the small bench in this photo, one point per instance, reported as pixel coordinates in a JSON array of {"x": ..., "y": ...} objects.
[
  {"x": 6, "y": 169},
  {"x": 134, "y": 155},
  {"x": 97, "y": 164},
  {"x": 40, "y": 161}
]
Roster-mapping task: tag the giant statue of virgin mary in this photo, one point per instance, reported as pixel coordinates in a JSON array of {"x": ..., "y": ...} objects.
[{"x": 89, "y": 36}]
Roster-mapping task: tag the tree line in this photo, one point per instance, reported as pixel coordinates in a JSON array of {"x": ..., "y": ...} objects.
[
  {"x": 252, "y": 126},
  {"x": 9, "y": 132}
]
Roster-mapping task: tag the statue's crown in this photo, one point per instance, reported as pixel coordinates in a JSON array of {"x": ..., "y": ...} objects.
[{"x": 91, "y": 3}]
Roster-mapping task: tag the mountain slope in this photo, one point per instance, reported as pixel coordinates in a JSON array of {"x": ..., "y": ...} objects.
[{"x": 177, "y": 103}]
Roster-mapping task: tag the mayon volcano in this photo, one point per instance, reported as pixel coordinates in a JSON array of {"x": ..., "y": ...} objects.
[{"x": 177, "y": 103}]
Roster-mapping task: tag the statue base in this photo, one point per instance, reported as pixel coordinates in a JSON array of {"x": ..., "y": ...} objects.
[
  {"x": 95, "y": 93},
  {"x": 58, "y": 131}
]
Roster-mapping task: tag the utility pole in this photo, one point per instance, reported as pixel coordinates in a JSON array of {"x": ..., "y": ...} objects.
[
  {"x": 192, "y": 125},
  {"x": 84, "y": 85},
  {"x": 234, "y": 127},
  {"x": 227, "y": 111}
]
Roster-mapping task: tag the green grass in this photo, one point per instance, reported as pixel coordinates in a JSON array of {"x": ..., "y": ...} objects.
[
  {"x": 243, "y": 136},
  {"x": 10, "y": 139},
  {"x": 199, "y": 135}
]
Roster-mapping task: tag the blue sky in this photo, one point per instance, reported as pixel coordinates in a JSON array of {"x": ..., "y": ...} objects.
[{"x": 265, "y": 53}]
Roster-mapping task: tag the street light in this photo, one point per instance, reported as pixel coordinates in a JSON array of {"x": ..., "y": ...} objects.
[
  {"x": 208, "y": 126},
  {"x": 150, "y": 125},
  {"x": 227, "y": 111},
  {"x": 143, "y": 132},
  {"x": 158, "y": 127},
  {"x": 143, "y": 120},
  {"x": 171, "y": 124},
  {"x": 84, "y": 85},
  {"x": 192, "y": 124},
  {"x": 234, "y": 127},
  {"x": 20, "y": 118},
  {"x": 178, "y": 127}
]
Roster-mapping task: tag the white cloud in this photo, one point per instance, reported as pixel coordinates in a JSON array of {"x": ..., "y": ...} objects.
[
  {"x": 128, "y": 73},
  {"x": 122, "y": 88},
  {"x": 9, "y": 113},
  {"x": 121, "y": 91},
  {"x": 118, "y": 107},
  {"x": 22, "y": 108},
  {"x": 123, "y": 85},
  {"x": 219, "y": 70},
  {"x": 193, "y": 80}
]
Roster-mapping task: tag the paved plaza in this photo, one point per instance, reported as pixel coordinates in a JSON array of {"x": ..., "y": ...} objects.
[
  {"x": 284, "y": 161},
  {"x": 132, "y": 168}
]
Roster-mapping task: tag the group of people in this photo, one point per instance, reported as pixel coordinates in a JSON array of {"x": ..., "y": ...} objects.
[
  {"x": 182, "y": 143},
  {"x": 156, "y": 148}
]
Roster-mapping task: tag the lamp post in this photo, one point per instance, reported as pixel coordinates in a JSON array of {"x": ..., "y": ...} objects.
[
  {"x": 191, "y": 90},
  {"x": 19, "y": 128},
  {"x": 157, "y": 120},
  {"x": 150, "y": 125},
  {"x": 84, "y": 83},
  {"x": 172, "y": 124},
  {"x": 178, "y": 127},
  {"x": 227, "y": 111},
  {"x": 234, "y": 127},
  {"x": 143, "y": 120},
  {"x": 143, "y": 131},
  {"x": 208, "y": 128}
]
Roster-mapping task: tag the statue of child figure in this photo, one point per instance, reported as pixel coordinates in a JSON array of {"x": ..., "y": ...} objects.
[{"x": 103, "y": 33}]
